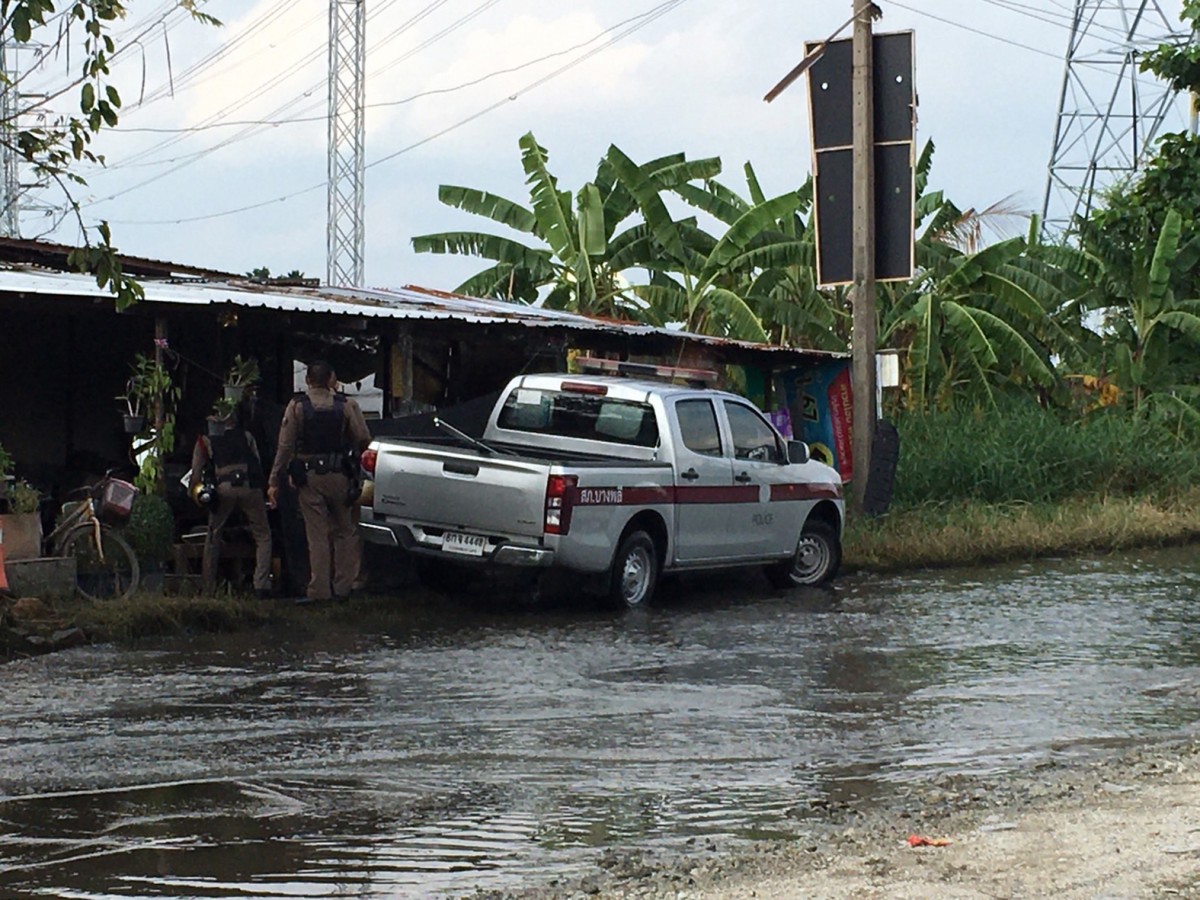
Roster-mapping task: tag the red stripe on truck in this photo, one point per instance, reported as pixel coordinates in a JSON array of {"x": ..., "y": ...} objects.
[
  {"x": 802, "y": 491},
  {"x": 681, "y": 494}
]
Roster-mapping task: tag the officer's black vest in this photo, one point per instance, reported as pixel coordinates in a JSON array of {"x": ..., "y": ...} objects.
[
  {"x": 231, "y": 451},
  {"x": 324, "y": 429}
]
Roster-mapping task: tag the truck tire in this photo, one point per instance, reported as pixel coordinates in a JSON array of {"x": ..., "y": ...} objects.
[
  {"x": 634, "y": 572},
  {"x": 816, "y": 560}
]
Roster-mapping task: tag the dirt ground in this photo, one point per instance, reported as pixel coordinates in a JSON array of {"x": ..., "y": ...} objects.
[{"x": 1125, "y": 826}]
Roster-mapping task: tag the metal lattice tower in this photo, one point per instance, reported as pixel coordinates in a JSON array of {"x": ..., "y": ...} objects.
[
  {"x": 10, "y": 172},
  {"x": 347, "y": 100},
  {"x": 1109, "y": 113}
]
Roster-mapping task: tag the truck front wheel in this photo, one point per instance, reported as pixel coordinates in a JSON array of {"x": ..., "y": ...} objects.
[
  {"x": 816, "y": 560},
  {"x": 634, "y": 571}
]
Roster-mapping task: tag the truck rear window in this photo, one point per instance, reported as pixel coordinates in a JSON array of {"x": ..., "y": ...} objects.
[{"x": 587, "y": 416}]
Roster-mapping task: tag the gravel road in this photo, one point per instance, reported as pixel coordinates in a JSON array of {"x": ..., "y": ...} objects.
[{"x": 1123, "y": 826}]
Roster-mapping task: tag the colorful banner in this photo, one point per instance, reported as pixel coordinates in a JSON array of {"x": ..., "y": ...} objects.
[{"x": 820, "y": 404}]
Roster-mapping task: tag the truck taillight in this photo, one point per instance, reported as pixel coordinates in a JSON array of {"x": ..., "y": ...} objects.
[
  {"x": 369, "y": 458},
  {"x": 560, "y": 499}
]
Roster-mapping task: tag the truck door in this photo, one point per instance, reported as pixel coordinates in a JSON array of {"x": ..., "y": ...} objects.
[
  {"x": 703, "y": 483},
  {"x": 763, "y": 528}
]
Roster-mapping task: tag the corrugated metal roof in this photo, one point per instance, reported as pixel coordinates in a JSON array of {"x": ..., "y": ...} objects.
[
  {"x": 54, "y": 256},
  {"x": 409, "y": 302}
]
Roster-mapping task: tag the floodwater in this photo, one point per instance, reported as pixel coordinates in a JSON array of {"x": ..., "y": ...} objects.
[{"x": 490, "y": 745}]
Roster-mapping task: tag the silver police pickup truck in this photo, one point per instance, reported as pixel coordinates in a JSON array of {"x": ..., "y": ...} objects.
[{"x": 609, "y": 475}]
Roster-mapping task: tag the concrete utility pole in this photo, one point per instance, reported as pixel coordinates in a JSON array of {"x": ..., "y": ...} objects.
[{"x": 862, "y": 292}]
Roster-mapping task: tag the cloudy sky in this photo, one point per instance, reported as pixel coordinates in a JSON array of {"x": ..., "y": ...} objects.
[{"x": 221, "y": 160}]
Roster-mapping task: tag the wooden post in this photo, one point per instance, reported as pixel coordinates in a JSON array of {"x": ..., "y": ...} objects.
[{"x": 862, "y": 345}]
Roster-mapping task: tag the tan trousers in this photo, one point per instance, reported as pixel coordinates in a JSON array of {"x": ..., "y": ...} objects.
[
  {"x": 253, "y": 506},
  {"x": 328, "y": 525}
]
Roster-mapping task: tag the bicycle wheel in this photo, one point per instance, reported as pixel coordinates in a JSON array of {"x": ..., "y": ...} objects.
[{"x": 113, "y": 575}]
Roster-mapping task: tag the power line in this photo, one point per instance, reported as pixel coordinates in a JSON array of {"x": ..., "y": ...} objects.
[
  {"x": 382, "y": 104},
  {"x": 641, "y": 20},
  {"x": 250, "y": 131},
  {"x": 310, "y": 57},
  {"x": 979, "y": 31}
]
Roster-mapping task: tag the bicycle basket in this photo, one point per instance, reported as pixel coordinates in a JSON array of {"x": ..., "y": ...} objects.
[{"x": 117, "y": 500}]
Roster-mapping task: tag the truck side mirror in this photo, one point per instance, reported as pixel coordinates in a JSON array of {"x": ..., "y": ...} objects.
[{"x": 797, "y": 452}]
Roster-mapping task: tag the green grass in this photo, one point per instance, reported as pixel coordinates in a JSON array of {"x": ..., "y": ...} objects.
[
  {"x": 965, "y": 533},
  {"x": 149, "y": 615},
  {"x": 1024, "y": 453}
]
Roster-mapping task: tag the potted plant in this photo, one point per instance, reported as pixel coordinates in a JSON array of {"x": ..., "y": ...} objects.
[
  {"x": 150, "y": 531},
  {"x": 242, "y": 373},
  {"x": 135, "y": 419},
  {"x": 19, "y": 520},
  {"x": 222, "y": 415}
]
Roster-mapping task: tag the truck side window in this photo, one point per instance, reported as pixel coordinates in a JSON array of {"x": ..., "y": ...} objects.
[
  {"x": 698, "y": 426},
  {"x": 753, "y": 438}
]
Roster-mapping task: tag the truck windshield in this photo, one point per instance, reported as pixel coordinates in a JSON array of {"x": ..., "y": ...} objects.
[{"x": 591, "y": 417}]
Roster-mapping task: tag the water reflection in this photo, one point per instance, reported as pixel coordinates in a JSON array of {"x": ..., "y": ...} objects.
[{"x": 470, "y": 744}]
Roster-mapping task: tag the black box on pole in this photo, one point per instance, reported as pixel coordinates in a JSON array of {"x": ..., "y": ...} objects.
[{"x": 831, "y": 116}]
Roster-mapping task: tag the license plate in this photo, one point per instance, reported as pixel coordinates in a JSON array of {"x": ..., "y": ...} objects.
[{"x": 466, "y": 544}]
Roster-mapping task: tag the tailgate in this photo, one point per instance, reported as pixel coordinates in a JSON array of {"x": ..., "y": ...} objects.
[{"x": 460, "y": 489}]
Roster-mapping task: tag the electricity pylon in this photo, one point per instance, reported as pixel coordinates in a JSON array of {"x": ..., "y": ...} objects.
[
  {"x": 347, "y": 98},
  {"x": 1109, "y": 113},
  {"x": 10, "y": 174}
]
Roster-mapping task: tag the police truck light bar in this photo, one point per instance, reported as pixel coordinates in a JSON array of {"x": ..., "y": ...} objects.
[{"x": 645, "y": 370}]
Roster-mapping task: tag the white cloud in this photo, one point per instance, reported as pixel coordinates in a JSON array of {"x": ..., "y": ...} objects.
[{"x": 692, "y": 80}]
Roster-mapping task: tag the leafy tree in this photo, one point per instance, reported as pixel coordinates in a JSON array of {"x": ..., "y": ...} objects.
[
  {"x": 53, "y": 150},
  {"x": 1178, "y": 62}
]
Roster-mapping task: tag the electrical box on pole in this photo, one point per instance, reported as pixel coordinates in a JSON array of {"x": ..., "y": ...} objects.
[{"x": 831, "y": 120}]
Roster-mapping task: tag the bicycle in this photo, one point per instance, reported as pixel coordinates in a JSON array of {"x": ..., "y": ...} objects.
[{"x": 106, "y": 568}]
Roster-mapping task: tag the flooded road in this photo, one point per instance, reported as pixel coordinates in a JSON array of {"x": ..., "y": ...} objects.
[{"x": 462, "y": 748}]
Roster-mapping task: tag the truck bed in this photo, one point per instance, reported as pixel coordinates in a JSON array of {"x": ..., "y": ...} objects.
[{"x": 442, "y": 483}]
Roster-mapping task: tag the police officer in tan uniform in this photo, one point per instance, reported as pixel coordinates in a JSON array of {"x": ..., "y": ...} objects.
[
  {"x": 238, "y": 474},
  {"x": 319, "y": 441}
]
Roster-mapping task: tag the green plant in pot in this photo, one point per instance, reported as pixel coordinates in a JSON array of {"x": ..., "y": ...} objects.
[
  {"x": 242, "y": 373},
  {"x": 150, "y": 530},
  {"x": 24, "y": 498},
  {"x": 223, "y": 416},
  {"x": 134, "y": 416}
]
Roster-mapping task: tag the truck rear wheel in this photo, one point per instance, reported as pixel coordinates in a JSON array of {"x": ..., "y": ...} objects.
[
  {"x": 816, "y": 560},
  {"x": 634, "y": 571}
]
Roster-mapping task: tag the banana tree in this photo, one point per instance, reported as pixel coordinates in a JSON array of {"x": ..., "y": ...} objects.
[
  {"x": 971, "y": 321},
  {"x": 578, "y": 252},
  {"x": 774, "y": 272},
  {"x": 712, "y": 292},
  {"x": 1143, "y": 323}
]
